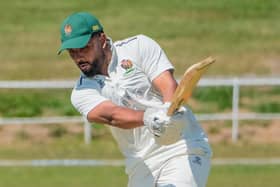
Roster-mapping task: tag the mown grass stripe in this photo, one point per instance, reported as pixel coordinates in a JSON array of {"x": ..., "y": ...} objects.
[{"x": 77, "y": 162}]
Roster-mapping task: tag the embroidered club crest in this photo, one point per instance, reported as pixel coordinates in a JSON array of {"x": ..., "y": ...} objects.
[
  {"x": 67, "y": 29},
  {"x": 127, "y": 65}
]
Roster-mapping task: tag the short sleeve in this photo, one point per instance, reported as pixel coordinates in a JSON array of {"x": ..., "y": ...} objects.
[
  {"x": 87, "y": 96},
  {"x": 153, "y": 59}
]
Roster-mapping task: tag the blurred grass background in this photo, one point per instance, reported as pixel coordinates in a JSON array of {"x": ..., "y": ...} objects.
[
  {"x": 243, "y": 35},
  {"x": 230, "y": 176},
  {"x": 20, "y": 103}
]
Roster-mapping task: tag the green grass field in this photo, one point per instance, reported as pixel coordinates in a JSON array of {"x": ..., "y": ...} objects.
[
  {"x": 60, "y": 143},
  {"x": 230, "y": 176},
  {"x": 243, "y": 35},
  {"x": 20, "y": 103}
]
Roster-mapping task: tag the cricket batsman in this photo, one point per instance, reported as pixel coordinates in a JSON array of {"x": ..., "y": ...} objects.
[{"x": 128, "y": 85}]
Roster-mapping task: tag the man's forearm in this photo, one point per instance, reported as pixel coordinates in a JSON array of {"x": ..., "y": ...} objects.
[
  {"x": 126, "y": 118},
  {"x": 111, "y": 114}
]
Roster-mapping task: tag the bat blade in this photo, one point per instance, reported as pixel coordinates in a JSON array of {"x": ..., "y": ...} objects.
[{"x": 187, "y": 84}]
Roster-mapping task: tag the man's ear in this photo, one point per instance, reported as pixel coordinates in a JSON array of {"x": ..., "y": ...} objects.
[{"x": 103, "y": 40}]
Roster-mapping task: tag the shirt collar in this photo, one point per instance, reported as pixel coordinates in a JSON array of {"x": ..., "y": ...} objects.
[{"x": 114, "y": 59}]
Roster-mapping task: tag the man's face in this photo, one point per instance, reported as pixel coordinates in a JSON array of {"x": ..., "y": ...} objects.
[{"x": 89, "y": 59}]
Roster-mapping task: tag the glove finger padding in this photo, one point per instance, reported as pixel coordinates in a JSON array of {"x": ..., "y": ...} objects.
[
  {"x": 173, "y": 132},
  {"x": 156, "y": 120}
]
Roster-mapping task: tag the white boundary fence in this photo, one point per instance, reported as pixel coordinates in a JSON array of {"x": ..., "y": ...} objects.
[
  {"x": 235, "y": 116},
  {"x": 94, "y": 163}
]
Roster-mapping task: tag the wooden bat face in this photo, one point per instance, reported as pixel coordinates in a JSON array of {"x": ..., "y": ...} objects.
[{"x": 188, "y": 83}]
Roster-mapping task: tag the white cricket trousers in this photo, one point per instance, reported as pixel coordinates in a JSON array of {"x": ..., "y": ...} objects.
[{"x": 181, "y": 171}]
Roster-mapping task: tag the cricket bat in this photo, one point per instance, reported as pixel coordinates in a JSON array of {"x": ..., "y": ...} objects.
[{"x": 187, "y": 84}]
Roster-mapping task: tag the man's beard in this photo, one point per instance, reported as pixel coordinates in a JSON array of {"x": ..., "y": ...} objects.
[{"x": 94, "y": 68}]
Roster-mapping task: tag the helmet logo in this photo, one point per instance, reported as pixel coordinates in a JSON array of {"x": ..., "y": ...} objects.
[
  {"x": 95, "y": 27},
  {"x": 68, "y": 29}
]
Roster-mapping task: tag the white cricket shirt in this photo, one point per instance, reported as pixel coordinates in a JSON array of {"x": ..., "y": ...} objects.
[{"x": 135, "y": 62}]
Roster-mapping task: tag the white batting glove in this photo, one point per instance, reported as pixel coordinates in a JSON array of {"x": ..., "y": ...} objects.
[
  {"x": 156, "y": 120},
  {"x": 173, "y": 131}
]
